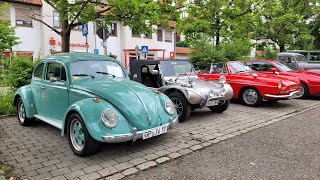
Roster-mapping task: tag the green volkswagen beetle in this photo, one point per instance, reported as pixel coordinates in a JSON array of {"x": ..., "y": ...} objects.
[{"x": 91, "y": 99}]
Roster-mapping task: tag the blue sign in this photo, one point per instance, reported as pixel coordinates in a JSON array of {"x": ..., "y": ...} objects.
[
  {"x": 144, "y": 49},
  {"x": 96, "y": 51},
  {"x": 84, "y": 28}
]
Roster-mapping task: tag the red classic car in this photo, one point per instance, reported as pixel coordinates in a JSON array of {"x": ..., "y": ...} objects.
[
  {"x": 253, "y": 87},
  {"x": 310, "y": 81}
]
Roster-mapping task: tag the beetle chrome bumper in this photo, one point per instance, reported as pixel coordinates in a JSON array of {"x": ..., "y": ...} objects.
[
  {"x": 133, "y": 136},
  {"x": 289, "y": 96}
]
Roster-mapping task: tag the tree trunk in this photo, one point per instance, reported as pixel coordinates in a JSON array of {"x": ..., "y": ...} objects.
[
  {"x": 282, "y": 48},
  {"x": 65, "y": 36},
  {"x": 218, "y": 32}
]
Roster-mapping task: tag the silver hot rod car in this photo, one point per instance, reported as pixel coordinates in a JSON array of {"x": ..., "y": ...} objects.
[{"x": 178, "y": 80}]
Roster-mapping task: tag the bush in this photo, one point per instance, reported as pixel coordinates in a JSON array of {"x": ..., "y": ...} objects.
[
  {"x": 6, "y": 102},
  {"x": 5, "y": 171},
  {"x": 182, "y": 44},
  {"x": 18, "y": 73}
]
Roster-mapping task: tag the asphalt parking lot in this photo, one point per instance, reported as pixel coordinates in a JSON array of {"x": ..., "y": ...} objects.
[{"x": 38, "y": 152}]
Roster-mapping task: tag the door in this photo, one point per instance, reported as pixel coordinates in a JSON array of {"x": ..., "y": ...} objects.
[
  {"x": 54, "y": 91},
  {"x": 37, "y": 79}
]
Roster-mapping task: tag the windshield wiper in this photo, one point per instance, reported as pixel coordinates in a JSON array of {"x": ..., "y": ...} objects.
[
  {"x": 83, "y": 75},
  {"x": 105, "y": 73},
  {"x": 180, "y": 76}
]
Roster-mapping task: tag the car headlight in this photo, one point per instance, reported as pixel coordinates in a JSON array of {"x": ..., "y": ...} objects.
[
  {"x": 211, "y": 93},
  {"x": 169, "y": 106},
  {"x": 223, "y": 91},
  {"x": 279, "y": 84},
  {"x": 109, "y": 118},
  {"x": 222, "y": 79}
]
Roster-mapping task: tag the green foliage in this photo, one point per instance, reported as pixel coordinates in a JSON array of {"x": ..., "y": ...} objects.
[
  {"x": 6, "y": 103},
  {"x": 204, "y": 52},
  {"x": 270, "y": 53},
  {"x": 18, "y": 73},
  {"x": 7, "y": 34},
  {"x": 182, "y": 44}
]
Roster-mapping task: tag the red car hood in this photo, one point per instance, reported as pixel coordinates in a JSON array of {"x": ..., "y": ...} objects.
[{"x": 266, "y": 77}]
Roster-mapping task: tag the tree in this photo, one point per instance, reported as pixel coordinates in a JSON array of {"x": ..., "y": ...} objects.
[
  {"x": 284, "y": 22},
  {"x": 315, "y": 32},
  {"x": 140, "y": 15},
  {"x": 216, "y": 19},
  {"x": 7, "y": 34}
]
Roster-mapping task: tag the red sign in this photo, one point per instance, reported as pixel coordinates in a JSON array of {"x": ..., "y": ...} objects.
[
  {"x": 52, "y": 42},
  {"x": 75, "y": 45},
  {"x": 171, "y": 55}
]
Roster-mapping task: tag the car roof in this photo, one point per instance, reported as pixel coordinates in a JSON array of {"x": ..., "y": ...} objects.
[
  {"x": 288, "y": 53},
  {"x": 260, "y": 60},
  {"x": 72, "y": 57}
]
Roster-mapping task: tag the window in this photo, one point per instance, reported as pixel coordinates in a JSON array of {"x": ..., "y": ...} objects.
[
  {"x": 168, "y": 36},
  {"x": 159, "y": 35},
  {"x": 260, "y": 66},
  {"x": 23, "y": 17},
  {"x": 113, "y": 29},
  {"x": 55, "y": 72},
  {"x": 56, "y": 19},
  {"x": 38, "y": 71},
  {"x": 148, "y": 35},
  {"x": 135, "y": 33}
]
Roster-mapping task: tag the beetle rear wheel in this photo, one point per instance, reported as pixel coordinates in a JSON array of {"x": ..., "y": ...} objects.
[
  {"x": 251, "y": 97},
  {"x": 81, "y": 142},
  {"x": 21, "y": 113},
  {"x": 182, "y": 105}
]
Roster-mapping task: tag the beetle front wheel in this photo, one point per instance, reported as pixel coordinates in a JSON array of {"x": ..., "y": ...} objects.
[
  {"x": 21, "y": 113},
  {"x": 81, "y": 142}
]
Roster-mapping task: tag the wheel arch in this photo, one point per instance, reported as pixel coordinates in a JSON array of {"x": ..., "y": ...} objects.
[{"x": 26, "y": 96}]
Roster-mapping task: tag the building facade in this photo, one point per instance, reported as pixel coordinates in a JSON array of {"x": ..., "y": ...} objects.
[{"x": 39, "y": 40}]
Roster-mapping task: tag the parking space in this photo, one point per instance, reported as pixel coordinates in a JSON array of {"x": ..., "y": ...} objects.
[{"x": 39, "y": 152}]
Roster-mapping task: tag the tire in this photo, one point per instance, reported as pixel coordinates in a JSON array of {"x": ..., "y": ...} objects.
[
  {"x": 221, "y": 107},
  {"x": 21, "y": 114},
  {"x": 305, "y": 90},
  {"x": 183, "y": 107},
  {"x": 250, "y": 97},
  {"x": 80, "y": 141}
]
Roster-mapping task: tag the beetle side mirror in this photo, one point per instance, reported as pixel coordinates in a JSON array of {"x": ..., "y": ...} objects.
[{"x": 274, "y": 70}]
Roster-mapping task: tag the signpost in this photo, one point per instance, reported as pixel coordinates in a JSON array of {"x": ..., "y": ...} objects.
[
  {"x": 137, "y": 52},
  {"x": 144, "y": 51},
  {"x": 104, "y": 35},
  {"x": 84, "y": 28},
  {"x": 96, "y": 51}
]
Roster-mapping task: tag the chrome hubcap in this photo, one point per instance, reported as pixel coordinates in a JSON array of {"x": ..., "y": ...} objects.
[
  {"x": 301, "y": 92},
  {"x": 250, "y": 96},
  {"x": 178, "y": 104},
  {"x": 77, "y": 135},
  {"x": 21, "y": 112}
]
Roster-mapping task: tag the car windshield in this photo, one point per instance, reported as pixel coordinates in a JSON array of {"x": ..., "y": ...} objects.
[
  {"x": 285, "y": 67},
  {"x": 238, "y": 67},
  {"x": 176, "y": 68},
  {"x": 301, "y": 58},
  {"x": 91, "y": 69}
]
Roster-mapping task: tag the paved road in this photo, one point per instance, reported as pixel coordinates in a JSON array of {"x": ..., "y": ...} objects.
[
  {"x": 285, "y": 150},
  {"x": 39, "y": 152}
]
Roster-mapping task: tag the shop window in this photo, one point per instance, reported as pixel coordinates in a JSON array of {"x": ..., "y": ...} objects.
[
  {"x": 56, "y": 19},
  {"x": 23, "y": 17},
  {"x": 168, "y": 36},
  {"x": 159, "y": 35}
]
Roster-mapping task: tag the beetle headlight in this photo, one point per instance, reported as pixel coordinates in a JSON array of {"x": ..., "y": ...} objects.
[
  {"x": 222, "y": 79},
  {"x": 109, "y": 118},
  {"x": 279, "y": 84},
  {"x": 169, "y": 106}
]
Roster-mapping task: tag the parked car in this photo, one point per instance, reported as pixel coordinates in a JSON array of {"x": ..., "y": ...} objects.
[
  {"x": 92, "y": 99},
  {"x": 310, "y": 81},
  {"x": 178, "y": 80},
  {"x": 253, "y": 87},
  {"x": 298, "y": 61}
]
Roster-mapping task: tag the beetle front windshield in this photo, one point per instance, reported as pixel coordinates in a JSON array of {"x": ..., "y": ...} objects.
[
  {"x": 176, "y": 68},
  {"x": 238, "y": 67},
  {"x": 92, "y": 68},
  {"x": 285, "y": 67},
  {"x": 301, "y": 58}
]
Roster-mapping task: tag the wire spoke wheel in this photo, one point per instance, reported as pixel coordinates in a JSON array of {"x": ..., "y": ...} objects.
[{"x": 178, "y": 105}]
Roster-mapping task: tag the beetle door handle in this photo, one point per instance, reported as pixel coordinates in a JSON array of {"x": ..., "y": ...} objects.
[{"x": 42, "y": 87}]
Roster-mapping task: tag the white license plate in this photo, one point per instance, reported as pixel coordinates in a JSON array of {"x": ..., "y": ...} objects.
[
  {"x": 212, "y": 102},
  {"x": 154, "y": 131}
]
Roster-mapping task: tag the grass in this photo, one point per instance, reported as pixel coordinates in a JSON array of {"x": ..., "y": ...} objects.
[{"x": 5, "y": 172}]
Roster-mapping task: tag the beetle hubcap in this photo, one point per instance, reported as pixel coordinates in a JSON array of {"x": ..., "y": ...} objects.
[
  {"x": 21, "y": 112},
  {"x": 77, "y": 135},
  {"x": 178, "y": 104},
  {"x": 250, "y": 96}
]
